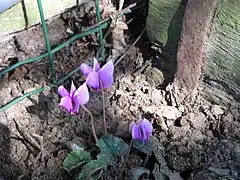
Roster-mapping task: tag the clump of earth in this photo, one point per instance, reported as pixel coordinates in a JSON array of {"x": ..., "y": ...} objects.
[{"x": 200, "y": 139}]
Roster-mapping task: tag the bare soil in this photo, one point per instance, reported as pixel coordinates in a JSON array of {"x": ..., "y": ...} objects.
[{"x": 200, "y": 139}]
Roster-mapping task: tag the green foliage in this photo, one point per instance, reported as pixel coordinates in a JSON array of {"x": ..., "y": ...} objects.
[
  {"x": 158, "y": 151},
  {"x": 71, "y": 118},
  {"x": 136, "y": 173},
  {"x": 76, "y": 158},
  {"x": 111, "y": 148},
  {"x": 143, "y": 147},
  {"x": 92, "y": 170},
  {"x": 76, "y": 147}
]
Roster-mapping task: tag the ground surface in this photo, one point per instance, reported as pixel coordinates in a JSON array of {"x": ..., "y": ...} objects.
[{"x": 201, "y": 140}]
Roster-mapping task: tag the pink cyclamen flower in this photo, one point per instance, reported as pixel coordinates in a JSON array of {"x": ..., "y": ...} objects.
[
  {"x": 97, "y": 77},
  {"x": 141, "y": 130},
  {"x": 72, "y": 100}
]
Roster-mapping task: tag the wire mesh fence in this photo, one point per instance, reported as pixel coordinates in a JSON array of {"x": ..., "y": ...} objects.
[{"x": 101, "y": 24}]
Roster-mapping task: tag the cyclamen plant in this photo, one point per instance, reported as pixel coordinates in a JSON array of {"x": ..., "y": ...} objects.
[
  {"x": 97, "y": 77},
  {"x": 141, "y": 130},
  {"x": 72, "y": 100},
  {"x": 111, "y": 147}
]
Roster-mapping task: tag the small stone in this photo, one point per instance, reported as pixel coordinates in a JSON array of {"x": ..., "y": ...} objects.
[
  {"x": 150, "y": 109},
  {"x": 217, "y": 110},
  {"x": 170, "y": 112},
  {"x": 158, "y": 94},
  {"x": 163, "y": 125},
  {"x": 182, "y": 149},
  {"x": 119, "y": 92},
  {"x": 181, "y": 108},
  {"x": 154, "y": 76},
  {"x": 133, "y": 109},
  {"x": 196, "y": 135},
  {"x": 209, "y": 133},
  {"x": 29, "y": 90},
  {"x": 197, "y": 120},
  {"x": 179, "y": 132},
  {"x": 14, "y": 92},
  {"x": 169, "y": 123},
  {"x": 184, "y": 121},
  {"x": 205, "y": 109}
]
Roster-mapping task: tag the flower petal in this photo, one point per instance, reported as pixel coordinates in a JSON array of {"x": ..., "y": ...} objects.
[
  {"x": 96, "y": 66},
  {"x": 147, "y": 129},
  {"x": 62, "y": 91},
  {"x": 85, "y": 69},
  {"x": 136, "y": 132},
  {"x": 75, "y": 108},
  {"x": 81, "y": 96},
  {"x": 72, "y": 90},
  {"x": 106, "y": 74},
  {"x": 66, "y": 102},
  {"x": 92, "y": 80}
]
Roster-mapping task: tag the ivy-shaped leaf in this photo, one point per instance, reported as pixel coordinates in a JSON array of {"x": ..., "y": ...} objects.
[
  {"x": 76, "y": 147},
  {"x": 111, "y": 148},
  {"x": 92, "y": 170},
  {"x": 158, "y": 151},
  {"x": 145, "y": 147},
  {"x": 76, "y": 159},
  {"x": 136, "y": 173}
]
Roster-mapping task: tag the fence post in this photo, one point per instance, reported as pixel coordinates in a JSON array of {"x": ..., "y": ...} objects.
[
  {"x": 47, "y": 42},
  {"x": 102, "y": 50}
]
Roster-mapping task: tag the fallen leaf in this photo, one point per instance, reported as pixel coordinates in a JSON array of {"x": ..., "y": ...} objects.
[
  {"x": 108, "y": 11},
  {"x": 118, "y": 36}
]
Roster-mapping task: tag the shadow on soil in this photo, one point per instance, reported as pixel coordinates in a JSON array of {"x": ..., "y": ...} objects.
[
  {"x": 9, "y": 170},
  {"x": 166, "y": 59},
  {"x": 57, "y": 129}
]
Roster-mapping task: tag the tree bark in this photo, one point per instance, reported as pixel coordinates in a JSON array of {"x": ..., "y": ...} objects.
[
  {"x": 222, "y": 54},
  {"x": 208, "y": 48},
  {"x": 196, "y": 22}
]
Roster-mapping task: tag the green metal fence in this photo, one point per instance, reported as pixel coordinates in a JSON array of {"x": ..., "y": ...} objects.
[{"x": 55, "y": 82}]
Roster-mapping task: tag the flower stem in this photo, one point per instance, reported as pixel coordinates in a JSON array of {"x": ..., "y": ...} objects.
[
  {"x": 93, "y": 127},
  {"x": 104, "y": 110},
  {"x": 126, "y": 158},
  {"x": 145, "y": 160}
]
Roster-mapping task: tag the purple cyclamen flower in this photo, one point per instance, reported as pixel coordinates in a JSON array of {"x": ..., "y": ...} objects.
[
  {"x": 141, "y": 130},
  {"x": 96, "y": 76},
  {"x": 72, "y": 100}
]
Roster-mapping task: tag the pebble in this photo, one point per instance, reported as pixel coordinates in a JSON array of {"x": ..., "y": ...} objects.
[
  {"x": 217, "y": 110},
  {"x": 170, "y": 112}
]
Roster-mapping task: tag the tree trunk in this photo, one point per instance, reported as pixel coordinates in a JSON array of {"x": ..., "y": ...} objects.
[{"x": 209, "y": 34}]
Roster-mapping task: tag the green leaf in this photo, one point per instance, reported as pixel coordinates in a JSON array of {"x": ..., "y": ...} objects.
[
  {"x": 92, "y": 170},
  {"x": 163, "y": 172},
  {"x": 157, "y": 172},
  {"x": 76, "y": 158},
  {"x": 111, "y": 147},
  {"x": 158, "y": 151},
  {"x": 143, "y": 147},
  {"x": 136, "y": 173},
  {"x": 76, "y": 147},
  {"x": 71, "y": 118}
]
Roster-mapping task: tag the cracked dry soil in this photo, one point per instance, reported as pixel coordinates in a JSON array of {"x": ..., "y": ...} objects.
[{"x": 201, "y": 140}]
